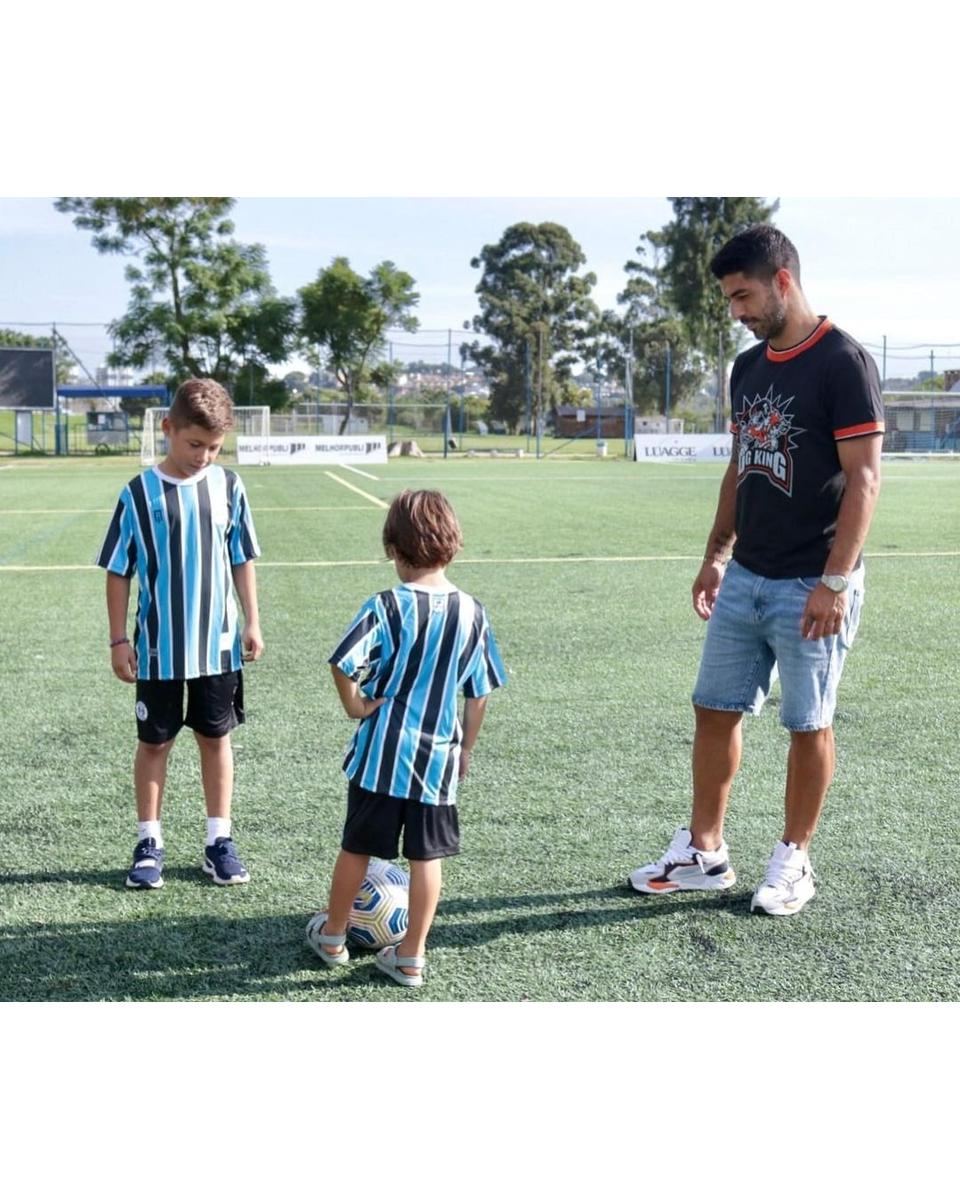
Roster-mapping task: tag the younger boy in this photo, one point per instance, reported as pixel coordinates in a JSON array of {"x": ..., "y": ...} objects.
[
  {"x": 184, "y": 528},
  {"x": 397, "y": 672}
]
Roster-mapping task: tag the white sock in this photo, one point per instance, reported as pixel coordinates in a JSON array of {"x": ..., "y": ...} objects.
[
  {"x": 217, "y": 827},
  {"x": 147, "y": 829}
]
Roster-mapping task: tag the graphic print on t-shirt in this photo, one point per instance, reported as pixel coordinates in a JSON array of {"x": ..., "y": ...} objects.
[{"x": 765, "y": 439}]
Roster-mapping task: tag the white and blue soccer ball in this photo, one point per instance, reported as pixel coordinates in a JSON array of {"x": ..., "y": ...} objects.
[{"x": 381, "y": 909}]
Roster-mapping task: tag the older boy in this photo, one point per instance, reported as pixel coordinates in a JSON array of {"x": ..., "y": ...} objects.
[
  {"x": 397, "y": 671},
  {"x": 184, "y": 529}
]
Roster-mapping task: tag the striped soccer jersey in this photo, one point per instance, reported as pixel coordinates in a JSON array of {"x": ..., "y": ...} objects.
[
  {"x": 417, "y": 646},
  {"x": 181, "y": 537}
]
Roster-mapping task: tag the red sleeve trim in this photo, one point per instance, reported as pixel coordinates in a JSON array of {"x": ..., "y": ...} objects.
[{"x": 859, "y": 430}]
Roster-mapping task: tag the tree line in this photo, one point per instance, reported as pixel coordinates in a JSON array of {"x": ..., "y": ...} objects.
[{"x": 202, "y": 303}]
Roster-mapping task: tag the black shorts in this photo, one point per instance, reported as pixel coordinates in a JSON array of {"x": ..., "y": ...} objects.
[
  {"x": 214, "y": 706},
  {"x": 374, "y": 822}
]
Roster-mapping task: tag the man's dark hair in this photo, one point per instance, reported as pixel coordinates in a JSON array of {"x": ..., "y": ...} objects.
[{"x": 759, "y": 252}]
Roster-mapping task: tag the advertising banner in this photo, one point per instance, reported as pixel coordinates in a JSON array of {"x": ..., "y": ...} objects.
[
  {"x": 297, "y": 450},
  {"x": 682, "y": 447}
]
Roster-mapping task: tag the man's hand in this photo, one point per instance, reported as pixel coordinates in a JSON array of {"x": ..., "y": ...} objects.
[
  {"x": 823, "y": 613},
  {"x": 123, "y": 661},
  {"x": 705, "y": 587},
  {"x": 252, "y": 642},
  {"x": 464, "y": 764}
]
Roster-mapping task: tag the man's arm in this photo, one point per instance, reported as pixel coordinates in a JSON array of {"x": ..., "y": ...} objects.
[
  {"x": 245, "y": 581},
  {"x": 860, "y": 460},
  {"x": 719, "y": 543},
  {"x": 123, "y": 659}
]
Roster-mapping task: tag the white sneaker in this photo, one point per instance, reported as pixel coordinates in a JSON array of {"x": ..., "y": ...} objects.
[
  {"x": 788, "y": 883},
  {"x": 683, "y": 868}
]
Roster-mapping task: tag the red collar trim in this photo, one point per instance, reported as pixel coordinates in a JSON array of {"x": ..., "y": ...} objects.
[{"x": 811, "y": 340}]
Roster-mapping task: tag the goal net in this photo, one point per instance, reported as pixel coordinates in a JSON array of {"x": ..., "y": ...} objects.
[{"x": 251, "y": 422}]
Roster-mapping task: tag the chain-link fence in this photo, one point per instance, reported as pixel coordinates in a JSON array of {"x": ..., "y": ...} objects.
[
  {"x": 922, "y": 422},
  {"x": 439, "y": 400}
]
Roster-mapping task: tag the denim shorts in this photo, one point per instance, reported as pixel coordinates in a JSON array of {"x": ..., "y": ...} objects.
[{"x": 754, "y": 634}]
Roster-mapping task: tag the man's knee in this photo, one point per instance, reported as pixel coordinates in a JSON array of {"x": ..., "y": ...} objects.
[{"x": 716, "y": 720}]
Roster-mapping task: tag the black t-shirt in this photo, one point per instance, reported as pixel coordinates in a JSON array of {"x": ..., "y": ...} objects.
[{"x": 790, "y": 408}]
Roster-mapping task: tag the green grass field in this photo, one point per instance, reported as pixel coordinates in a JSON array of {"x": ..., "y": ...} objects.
[{"x": 581, "y": 772}]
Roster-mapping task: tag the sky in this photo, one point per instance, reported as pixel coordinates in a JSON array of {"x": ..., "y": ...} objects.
[{"x": 878, "y": 266}]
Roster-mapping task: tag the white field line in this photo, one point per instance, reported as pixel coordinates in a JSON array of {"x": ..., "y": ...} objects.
[
  {"x": 357, "y": 471},
  {"x": 261, "y": 508},
  {"x": 365, "y": 495},
  {"x": 478, "y": 562}
]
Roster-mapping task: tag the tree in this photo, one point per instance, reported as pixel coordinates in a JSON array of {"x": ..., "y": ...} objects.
[
  {"x": 701, "y": 225},
  {"x": 538, "y": 312},
  {"x": 200, "y": 302},
  {"x": 649, "y": 335},
  {"x": 347, "y": 317},
  {"x": 676, "y": 301}
]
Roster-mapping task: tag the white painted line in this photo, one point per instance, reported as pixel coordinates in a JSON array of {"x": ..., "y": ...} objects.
[
  {"x": 365, "y": 495},
  {"x": 357, "y": 471},
  {"x": 478, "y": 562},
  {"x": 262, "y": 508}
]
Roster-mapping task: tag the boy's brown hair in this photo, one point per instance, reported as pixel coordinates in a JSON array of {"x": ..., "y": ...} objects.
[
  {"x": 422, "y": 529},
  {"x": 202, "y": 402}
]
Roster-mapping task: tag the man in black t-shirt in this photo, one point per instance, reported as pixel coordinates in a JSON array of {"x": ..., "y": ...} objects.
[{"x": 794, "y": 509}]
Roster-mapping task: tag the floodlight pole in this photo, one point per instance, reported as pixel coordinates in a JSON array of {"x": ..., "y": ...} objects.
[
  {"x": 56, "y": 393},
  {"x": 596, "y": 392},
  {"x": 666, "y": 401}
]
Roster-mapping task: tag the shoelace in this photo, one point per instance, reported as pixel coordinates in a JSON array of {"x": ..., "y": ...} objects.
[
  {"x": 780, "y": 874},
  {"x": 677, "y": 852}
]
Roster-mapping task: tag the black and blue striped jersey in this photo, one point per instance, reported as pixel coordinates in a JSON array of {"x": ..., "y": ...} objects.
[
  {"x": 181, "y": 538},
  {"x": 418, "y": 647}
]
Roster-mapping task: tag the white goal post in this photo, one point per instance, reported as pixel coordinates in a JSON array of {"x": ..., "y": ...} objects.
[{"x": 252, "y": 422}]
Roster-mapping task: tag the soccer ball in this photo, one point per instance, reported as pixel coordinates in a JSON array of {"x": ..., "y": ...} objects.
[{"x": 379, "y": 914}]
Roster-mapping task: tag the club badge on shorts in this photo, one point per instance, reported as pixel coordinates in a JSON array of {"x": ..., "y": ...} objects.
[{"x": 141, "y": 711}]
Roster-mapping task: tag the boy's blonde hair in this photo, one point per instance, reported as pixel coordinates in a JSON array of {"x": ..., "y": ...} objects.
[
  {"x": 422, "y": 529},
  {"x": 202, "y": 402}
]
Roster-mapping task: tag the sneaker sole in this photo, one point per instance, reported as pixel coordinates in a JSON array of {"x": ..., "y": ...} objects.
[
  {"x": 144, "y": 887},
  {"x": 234, "y": 879},
  {"x": 724, "y": 881}
]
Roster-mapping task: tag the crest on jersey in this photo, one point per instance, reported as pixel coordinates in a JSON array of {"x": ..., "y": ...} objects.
[{"x": 766, "y": 439}]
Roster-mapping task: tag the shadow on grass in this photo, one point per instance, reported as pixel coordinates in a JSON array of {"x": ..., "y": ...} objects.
[
  {"x": 156, "y": 957},
  {"x": 115, "y": 880}
]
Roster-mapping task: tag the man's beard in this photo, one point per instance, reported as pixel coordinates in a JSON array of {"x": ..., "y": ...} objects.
[{"x": 772, "y": 320}]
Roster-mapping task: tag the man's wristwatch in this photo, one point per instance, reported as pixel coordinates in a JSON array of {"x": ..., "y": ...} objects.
[{"x": 836, "y": 583}]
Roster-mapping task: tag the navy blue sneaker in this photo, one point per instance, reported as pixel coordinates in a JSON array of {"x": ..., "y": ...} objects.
[
  {"x": 222, "y": 863},
  {"x": 147, "y": 869}
]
